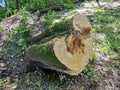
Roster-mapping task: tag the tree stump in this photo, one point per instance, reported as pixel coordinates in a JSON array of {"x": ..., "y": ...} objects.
[{"x": 66, "y": 46}]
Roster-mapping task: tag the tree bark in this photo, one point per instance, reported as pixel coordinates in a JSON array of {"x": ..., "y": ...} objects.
[
  {"x": 5, "y": 3},
  {"x": 45, "y": 10},
  {"x": 17, "y": 4},
  {"x": 65, "y": 47},
  {"x": 98, "y": 2}
]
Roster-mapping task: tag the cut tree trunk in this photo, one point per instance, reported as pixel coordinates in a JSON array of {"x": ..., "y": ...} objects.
[{"x": 66, "y": 46}]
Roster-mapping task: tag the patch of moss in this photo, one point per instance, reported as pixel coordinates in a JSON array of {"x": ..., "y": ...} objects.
[
  {"x": 44, "y": 48},
  {"x": 58, "y": 29},
  {"x": 1, "y": 29},
  {"x": 45, "y": 52}
]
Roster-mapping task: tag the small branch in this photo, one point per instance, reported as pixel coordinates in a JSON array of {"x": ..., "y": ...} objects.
[
  {"x": 45, "y": 10},
  {"x": 17, "y": 4},
  {"x": 5, "y": 3},
  {"x": 98, "y": 2}
]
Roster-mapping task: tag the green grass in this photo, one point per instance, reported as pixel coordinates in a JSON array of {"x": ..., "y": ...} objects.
[
  {"x": 32, "y": 6},
  {"x": 30, "y": 80},
  {"x": 5, "y": 81},
  {"x": 118, "y": 60},
  {"x": 109, "y": 25},
  {"x": 22, "y": 31},
  {"x": 1, "y": 29},
  {"x": 104, "y": 22},
  {"x": 41, "y": 4},
  {"x": 116, "y": 63}
]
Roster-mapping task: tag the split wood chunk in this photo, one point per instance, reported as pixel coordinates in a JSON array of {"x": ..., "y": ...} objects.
[{"x": 80, "y": 22}]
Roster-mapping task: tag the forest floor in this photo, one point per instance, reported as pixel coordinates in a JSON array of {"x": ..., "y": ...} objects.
[{"x": 103, "y": 73}]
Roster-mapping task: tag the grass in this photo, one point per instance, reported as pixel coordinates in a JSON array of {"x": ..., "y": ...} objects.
[
  {"x": 31, "y": 79},
  {"x": 4, "y": 51},
  {"x": 109, "y": 25},
  {"x": 1, "y": 29},
  {"x": 49, "y": 3},
  {"x": 4, "y": 82},
  {"x": 91, "y": 74},
  {"x": 116, "y": 62},
  {"x": 104, "y": 22},
  {"x": 32, "y": 6},
  {"x": 23, "y": 31}
]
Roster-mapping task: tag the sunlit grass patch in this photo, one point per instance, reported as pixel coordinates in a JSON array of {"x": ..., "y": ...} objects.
[{"x": 107, "y": 22}]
